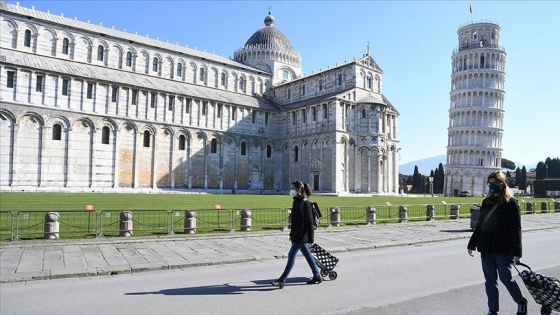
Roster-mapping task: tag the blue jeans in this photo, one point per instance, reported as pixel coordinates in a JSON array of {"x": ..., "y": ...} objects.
[
  {"x": 494, "y": 264},
  {"x": 297, "y": 246}
]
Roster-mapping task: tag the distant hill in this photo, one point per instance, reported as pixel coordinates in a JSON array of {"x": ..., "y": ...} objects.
[
  {"x": 431, "y": 163},
  {"x": 424, "y": 165}
]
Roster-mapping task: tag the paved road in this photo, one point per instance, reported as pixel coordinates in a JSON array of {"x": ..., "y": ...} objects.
[
  {"x": 52, "y": 259},
  {"x": 424, "y": 279}
]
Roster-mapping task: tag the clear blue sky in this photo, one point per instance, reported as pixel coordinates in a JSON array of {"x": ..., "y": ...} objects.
[{"x": 412, "y": 41}]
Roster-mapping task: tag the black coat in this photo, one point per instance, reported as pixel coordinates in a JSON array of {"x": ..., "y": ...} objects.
[
  {"x": 502, "y": 232},
  {"x": 302, "y": 221}
]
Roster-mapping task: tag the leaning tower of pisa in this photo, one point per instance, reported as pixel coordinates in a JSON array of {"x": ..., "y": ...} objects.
[{"x": 476, "y": 112}]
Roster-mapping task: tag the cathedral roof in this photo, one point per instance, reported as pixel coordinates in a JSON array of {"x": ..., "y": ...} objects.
[{"x": 269, "y": 37}]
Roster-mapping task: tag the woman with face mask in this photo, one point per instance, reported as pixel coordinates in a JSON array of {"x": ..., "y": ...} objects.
[
  {"x": 301, "y": 233},
  {"x": 497, "y": 237}
]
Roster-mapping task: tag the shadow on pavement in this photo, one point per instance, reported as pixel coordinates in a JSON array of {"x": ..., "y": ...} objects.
[
  {"x": 457, "y": 231},
  {"x": 225, "y": 289}
]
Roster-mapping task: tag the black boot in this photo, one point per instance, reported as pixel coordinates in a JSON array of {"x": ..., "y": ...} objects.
[{"x": 315, "y": 279}]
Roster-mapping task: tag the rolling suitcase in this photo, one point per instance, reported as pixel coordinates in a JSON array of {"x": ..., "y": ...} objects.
[
  {"x": 324, "y": 260},
  {"x": 545, "y": 290}
]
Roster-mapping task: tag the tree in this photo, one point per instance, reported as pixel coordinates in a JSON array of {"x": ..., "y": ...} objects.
[
  {"x": 523, "y": 181},
  {"x": 508, "y": 164}
]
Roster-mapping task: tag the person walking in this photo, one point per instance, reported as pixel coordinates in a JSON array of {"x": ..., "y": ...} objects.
[
  {"x": 497, "y": 236},
  {"x": 302, "y": 233}
]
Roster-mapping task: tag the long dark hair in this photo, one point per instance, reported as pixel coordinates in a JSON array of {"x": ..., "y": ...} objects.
[{"x": 306, "y": 188}]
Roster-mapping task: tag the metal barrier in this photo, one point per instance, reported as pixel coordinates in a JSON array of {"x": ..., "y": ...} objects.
[
  {"x": 353, "y": 215},
  {"x": 150, "y": 221},
  {"x": 266, "y": 218},
  {"x": 79, "y": 224},
  {"x": 7, "y": 227},
  {"x": 207, "y": 220}
]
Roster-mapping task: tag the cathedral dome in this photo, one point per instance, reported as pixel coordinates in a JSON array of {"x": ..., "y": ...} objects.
[{"x": 269, "y": 37}]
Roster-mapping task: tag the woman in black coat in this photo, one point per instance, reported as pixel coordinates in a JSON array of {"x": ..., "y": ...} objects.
[
  {"x": 302, "y": 233},
  {"x": 497, "y": 236}
]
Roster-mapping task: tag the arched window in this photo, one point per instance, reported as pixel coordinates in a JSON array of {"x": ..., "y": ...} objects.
[
  {"x": 289, "y": 94},
  {"x": 146, "y": 139},
  {"x": 214, "y": 146},
  {"x": 223, "y": 80},
  {"x": 242, "y": 84},
  {"x": 129, "y": 59},
  {"x": 243, "y": 148},
  {"x": 57, "y": 132},
  {"x": 296, "y": 153},
  {"x": 65, "y": 43},
  {"x": 100, "y": 52},
  {"x": 105, "y": 135},
  {"x": 27, "y": 39},
  {"x": 182, "y": 140},
  {"x": 302, "y": 90},
  {"x": 155, "y": 64},
  {"x": 314, "y": 114},
  {"x": 363, "y": 113},
  {"x": 269, "y": 151},
  {"x": 369, "y": 83},
  {"x": 202, "y": 74},
  {"x": 179, "y": 69},
  {"x": 303, "y": 116},
  {"x": 340, "y": 79}
]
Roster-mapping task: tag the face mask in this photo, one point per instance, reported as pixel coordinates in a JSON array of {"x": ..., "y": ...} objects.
[
  {"x": 494, "y": 188},
  {"x": 292, "y": 193}
]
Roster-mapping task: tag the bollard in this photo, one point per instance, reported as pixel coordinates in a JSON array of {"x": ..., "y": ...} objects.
[
  {"x": 530, "y": 209},
  {"x": 125, "y": 229},
  {"x": 190, "y": 222},
  {"x": 475, "y": 215},
  {"x": 51, "y": 226},
  {"x": 557, "y": 206},
  {"x": 454, "y": 212},
  {"x": 371, "y": 215},
  {"x": 335, "y": 216},
  {"x": 544, "y": 207},
  {"x": 403, "y": 215},
  {"x": 245, "y": 220},
  {"x": 430, "y": 213}
]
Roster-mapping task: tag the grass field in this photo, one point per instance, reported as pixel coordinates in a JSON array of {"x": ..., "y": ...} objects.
[{"x": 22, "y": 215}]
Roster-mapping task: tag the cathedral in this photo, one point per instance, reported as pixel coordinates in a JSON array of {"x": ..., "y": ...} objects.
[{"x": 89, "y": 108}]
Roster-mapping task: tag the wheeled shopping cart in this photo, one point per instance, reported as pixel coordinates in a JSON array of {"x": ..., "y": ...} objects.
[
  {"x": 325, "y": 261},
  {"x": 545, "y": 290}
]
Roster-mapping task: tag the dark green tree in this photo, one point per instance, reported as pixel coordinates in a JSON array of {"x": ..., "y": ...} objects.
[
  {"x": 523, "y": 181},
  {"x": 507, "y": 164}
]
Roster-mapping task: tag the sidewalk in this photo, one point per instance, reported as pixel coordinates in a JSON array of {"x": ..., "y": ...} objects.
[{"x": 52, "y": 259}]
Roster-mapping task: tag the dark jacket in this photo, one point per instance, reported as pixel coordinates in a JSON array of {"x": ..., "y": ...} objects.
[
  {"x": 502, "y": 232},
  {"x": 302, "y": 221}
]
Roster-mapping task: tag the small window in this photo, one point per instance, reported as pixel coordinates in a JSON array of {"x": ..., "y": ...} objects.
[
  {"x": 153, "y": 99},
  {"x": 155, "y": 64},
  {"x": 369, "y": 83},
  {"x": 65, "y": 44},
  {"x": 289, "y": 94},
  {"x": 266, "y": 119},
  {"x": 303, "y": 116},
  {"x": 134, "y": 100},
  {"x": 269, "y": 151},
  {"x": 296, "y": 154},
  {"x": 293, "y": 118},
  {"x": 242, "y": 84},
  {"x": 27, "y": 40},
  {"x": 57, "y": 132},
  {"x": 65, "y": 83},
  {"x": 129, "y": 59},
  {"x": 363, "y": 113},
  {"x": 325, "y": 112},
  {"x": 115, "y": 93},
  {"x": 254, "y": 118},
  {"x": 302, "y": 90},
  {"x": 321, "y": 85},
  {"x": 171, "y": 102},
  {"x": 182, "y": 141},
  {"x": 105, "y": 135},
  {"x": 340, "y": 79},
  {"x": 11, "y": 79},
  {"x": 204, "y": 108},
  {"x": 202, "y": 74},
  {"x": 187, "y": 106},
  {"x": 214, "y": 146},
  {"x": 179, "y": 70},
  {"x": 243, "y": 148},
  {"x": 233, "y": 112},
  {"x": 100, "y": 52},
  {"x": 314, "y": 114},
  {"x": 219, "y": 111},
  {"x": 146, "y": 139},
  {"x": 89, "y": 92},
  {"x": 39, "y": 84},
  {"x": 223, "y": 81}
]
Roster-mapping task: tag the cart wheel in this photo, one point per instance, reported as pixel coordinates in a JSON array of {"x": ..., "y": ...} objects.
[
  {"x": 546, "y": 310},
  {"x": 324, "y": 273},
  {"x": 333, "y": 275}
]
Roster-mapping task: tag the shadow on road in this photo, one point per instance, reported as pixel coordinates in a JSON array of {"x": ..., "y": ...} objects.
[
  {"x": 225, "y": 289},
  {"x": 457, "y": 231}
]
